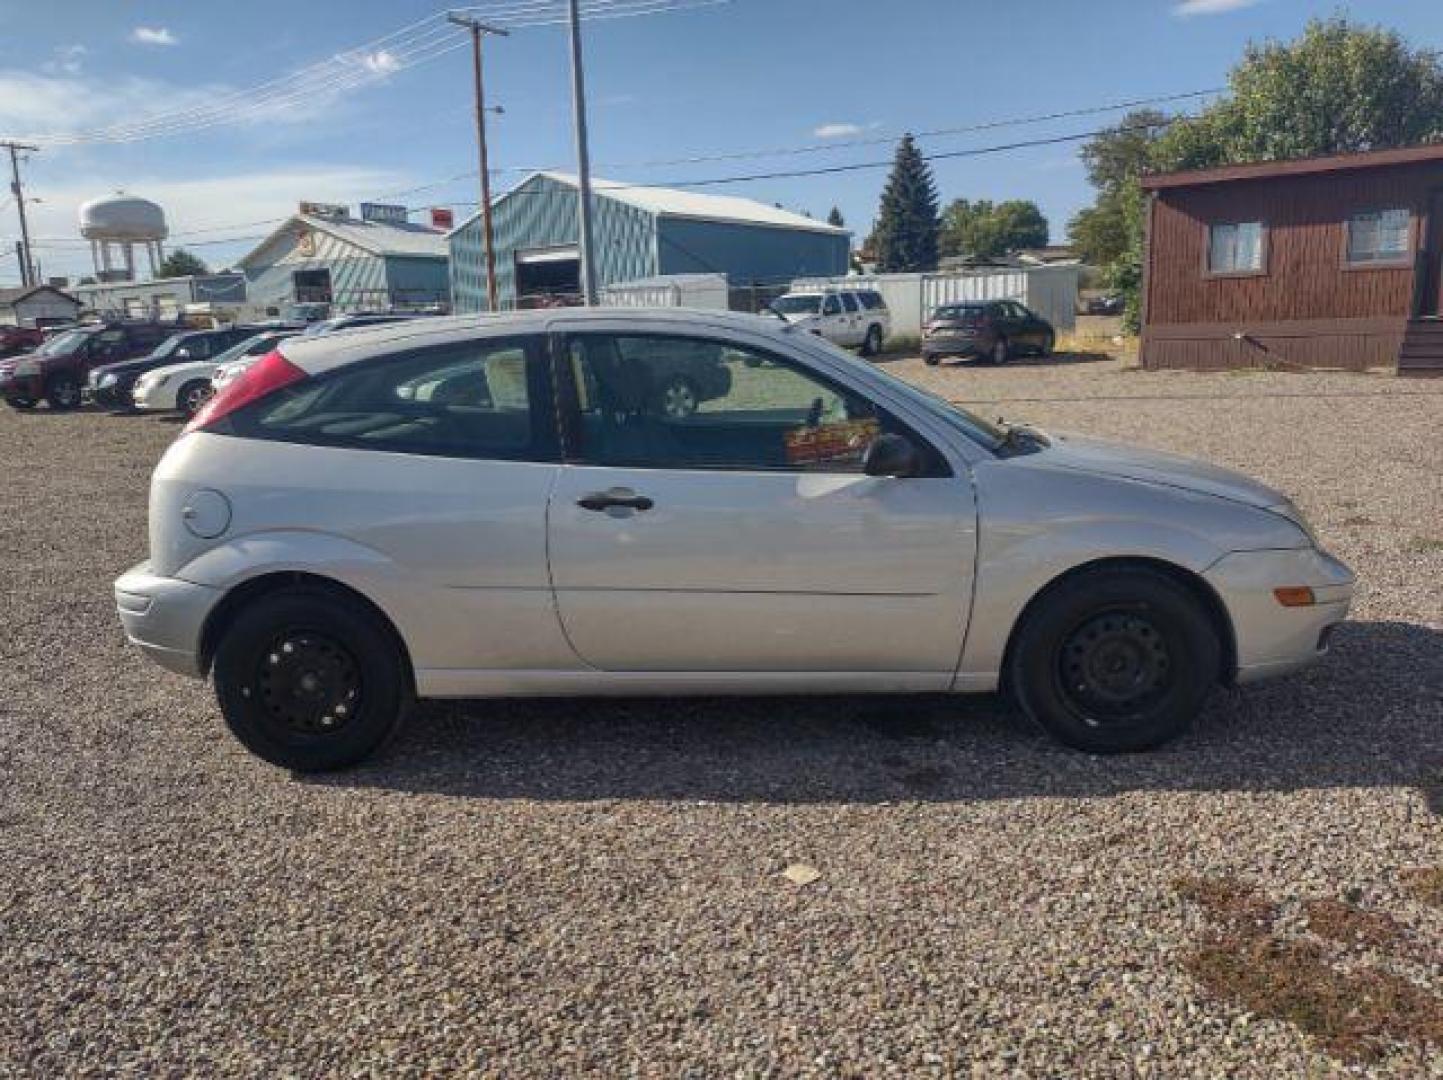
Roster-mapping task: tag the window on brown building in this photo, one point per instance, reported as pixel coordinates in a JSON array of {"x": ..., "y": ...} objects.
[
  {"x": 1236, "y": 248},
  {"x": 1379, "y": 236}
]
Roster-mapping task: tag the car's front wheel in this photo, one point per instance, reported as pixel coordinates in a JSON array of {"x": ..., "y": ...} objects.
[
  {"x": 872, "y": 343},
  {"x": 310, "y": 680},
  {"x": 1001, "y": 351},
  {"x": 193, "y": 395},
  {"x": 1115, "y": 660},
  {"x": 22, "y": 404},
  {"x": 62, "y": 392}
]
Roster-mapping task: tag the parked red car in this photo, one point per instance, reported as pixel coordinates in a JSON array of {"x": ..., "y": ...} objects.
[
  {"x": 19, "y": 339},
  {"x": 56, "y": 371}
]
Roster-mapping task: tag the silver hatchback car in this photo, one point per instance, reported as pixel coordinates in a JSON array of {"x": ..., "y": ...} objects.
[{"x": 517, "y": 505}]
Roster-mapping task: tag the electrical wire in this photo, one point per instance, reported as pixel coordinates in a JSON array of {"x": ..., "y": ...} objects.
[{"x": 417, "y": 43}]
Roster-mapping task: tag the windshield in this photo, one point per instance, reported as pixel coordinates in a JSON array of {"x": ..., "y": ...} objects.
[
  {"x": 258, "y": 343},
  {"x": 798, "y": 305},
  {"x": 63, "y": 343},
  {"x": 168, "y": 346}
]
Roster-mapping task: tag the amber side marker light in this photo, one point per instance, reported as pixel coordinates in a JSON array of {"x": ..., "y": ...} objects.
[{"x": 1295, "y": 596}]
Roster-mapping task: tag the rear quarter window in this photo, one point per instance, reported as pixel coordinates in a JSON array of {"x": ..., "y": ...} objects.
[{"x": 487, "y": 399}]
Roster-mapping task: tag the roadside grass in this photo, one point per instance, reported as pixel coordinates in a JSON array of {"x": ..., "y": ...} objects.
[{"x": 1357, "y": 1016}]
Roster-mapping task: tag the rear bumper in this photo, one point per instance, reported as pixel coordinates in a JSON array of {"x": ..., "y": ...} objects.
[
  {"x": 1271, "y": 639},
  {"x": 953, "y": 346},
  {"x": 165, "y": 617}
]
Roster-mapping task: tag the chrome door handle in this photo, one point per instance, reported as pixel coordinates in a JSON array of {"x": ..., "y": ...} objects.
[{"x": 614, "y": 499}]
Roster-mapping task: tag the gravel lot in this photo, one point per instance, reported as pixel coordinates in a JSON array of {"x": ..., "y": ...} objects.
[{"x": 567, "y": 888}]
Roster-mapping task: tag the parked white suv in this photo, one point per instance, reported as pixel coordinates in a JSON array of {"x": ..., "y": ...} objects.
[
  {"x": 480, "y": 507},
  {"x": 852, "y": 318}
]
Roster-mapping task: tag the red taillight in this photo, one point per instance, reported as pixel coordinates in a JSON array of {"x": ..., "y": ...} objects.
[{"x": 267, "y": 375}]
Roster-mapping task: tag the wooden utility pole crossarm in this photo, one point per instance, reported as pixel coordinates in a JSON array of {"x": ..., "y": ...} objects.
[{"x": 477, "y": 30}]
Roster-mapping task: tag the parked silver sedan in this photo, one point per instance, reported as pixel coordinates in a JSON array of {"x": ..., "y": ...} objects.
[{"x": 481, "y": 507}]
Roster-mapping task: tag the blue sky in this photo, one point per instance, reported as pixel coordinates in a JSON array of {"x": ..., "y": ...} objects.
[{"x": 732, "y": 77}]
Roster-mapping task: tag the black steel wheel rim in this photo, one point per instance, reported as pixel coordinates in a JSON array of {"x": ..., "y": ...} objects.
[
  {"x": 1114, "y": 667},
  {"x": 307, "y": 683}
]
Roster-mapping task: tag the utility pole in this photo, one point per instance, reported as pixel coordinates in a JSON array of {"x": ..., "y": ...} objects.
[
  {"x": 477, "y": 29},
  {"x": 27, "y": 268},
  {"x": 583, "y": 161}
]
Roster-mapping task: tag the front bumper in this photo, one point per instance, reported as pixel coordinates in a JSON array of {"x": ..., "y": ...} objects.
[
  {"x": 1271, "y": 639},
  {"x": 114, "y": 396},
  {"x": 22, "y": 387},
  {"x": 150, "y": 397},
  {"x": 165, "y": 617}
]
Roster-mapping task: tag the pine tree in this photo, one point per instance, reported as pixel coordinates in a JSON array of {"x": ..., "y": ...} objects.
[
  {"x": 907, "y": 222},
  {"x": 835, "y": 218}
]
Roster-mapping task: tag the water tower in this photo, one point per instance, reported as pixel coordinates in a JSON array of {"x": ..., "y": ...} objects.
[{"x": 114, "y": 226}]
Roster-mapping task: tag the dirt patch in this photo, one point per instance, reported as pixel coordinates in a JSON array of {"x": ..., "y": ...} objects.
[{"x": 1358, "y": 1016}]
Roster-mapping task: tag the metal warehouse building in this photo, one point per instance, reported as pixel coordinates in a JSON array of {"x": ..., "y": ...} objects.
[
  {"x": 639, "y": 232},
  {"x": 322, "y": 255}
]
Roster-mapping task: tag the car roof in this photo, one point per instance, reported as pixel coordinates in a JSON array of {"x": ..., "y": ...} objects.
[{"x": 317, "y": 353}]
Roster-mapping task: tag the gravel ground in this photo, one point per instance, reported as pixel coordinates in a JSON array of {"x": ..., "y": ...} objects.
[{"x": 534, "y": 888}]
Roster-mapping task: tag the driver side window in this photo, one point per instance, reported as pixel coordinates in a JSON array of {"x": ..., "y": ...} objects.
[{"x": 664, "y": 402}]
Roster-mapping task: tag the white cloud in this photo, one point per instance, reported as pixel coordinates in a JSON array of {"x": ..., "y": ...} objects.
[
  {"x": 201, "y": 203},
  {"x": 66, "y": 60},
  {"x": 837, "y": 131},
  {"x": 153, "y": 35},
  {"x": 35, "y": 104},
  {"x": 380, "y": 62},
  {"x": 1188, "y": 8}
]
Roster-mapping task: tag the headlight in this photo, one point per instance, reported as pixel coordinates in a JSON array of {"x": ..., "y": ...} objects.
[
  {"x": 27, "y": 367},
  {"x": 109, "y": 380},
  {"x": 1288, "y": 509}
]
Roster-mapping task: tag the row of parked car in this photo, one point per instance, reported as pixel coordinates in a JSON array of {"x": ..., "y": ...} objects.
[
  {"x": 150, "y": 366},
  {"x": 991, "y": 330}
]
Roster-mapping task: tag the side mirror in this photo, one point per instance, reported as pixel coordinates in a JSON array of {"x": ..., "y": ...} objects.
[
  {"x": 891, "y": 455},
  {"x": 182, "y": 353}
]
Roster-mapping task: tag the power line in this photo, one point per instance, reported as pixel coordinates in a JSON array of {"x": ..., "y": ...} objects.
[
  {"x": 416, "y": 43},
  {"x": 718, "y": 181}
]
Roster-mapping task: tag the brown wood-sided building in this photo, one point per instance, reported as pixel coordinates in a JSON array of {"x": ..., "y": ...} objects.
[{"x": 1332, "y": 262}]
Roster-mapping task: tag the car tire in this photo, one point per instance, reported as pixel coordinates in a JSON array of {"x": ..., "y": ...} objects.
[
  {"x": 931, "y": 361},
  {"x": 872, "y": 343},
  {"x": 1000, "y": 353},
  {"x": 678, "y": 398},
  {"x": 62, "y": 393},
  {"x": 1049, "y": 343},
  {"x": 311, "y": 680},
  {"x": 194, "y": 394},
  {"x": 21, "y": 404},
  {"x": 1115, "y": 660}
]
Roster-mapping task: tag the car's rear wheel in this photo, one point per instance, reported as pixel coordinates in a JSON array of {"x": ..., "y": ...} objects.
[
  {"x": 872, "y": 343},
  {"x": 1049, "y": 343},
  {"x": 62, "y": 392},
  {"x": 190, "y": 397},
  {"x": 1115, "y": 660},
  {"x": 931, "y": 361},
  {"x": 678, "y": 399},
  {"x": 310, "y": 680},
  {"x": 21, "y": 403}
]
